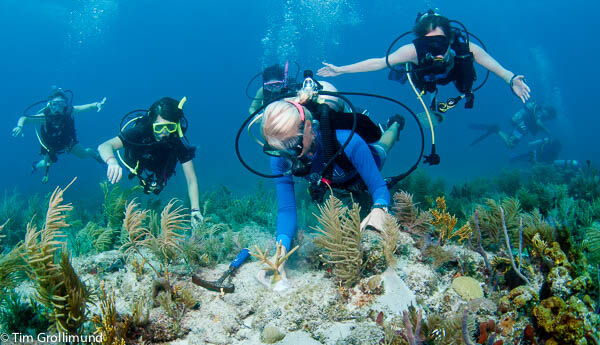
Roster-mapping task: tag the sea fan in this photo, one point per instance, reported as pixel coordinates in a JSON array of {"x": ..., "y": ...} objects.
[{"x": 592, "y": 242}]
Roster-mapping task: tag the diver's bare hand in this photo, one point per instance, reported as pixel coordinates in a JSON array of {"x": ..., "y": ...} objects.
[
  {"x": 329, "y": 70},
  {"x": 521, "y": 89},
  {"x": 17, "y": 131},
  {"x": 100, "y": 104},
  {"x": 114, "y": 172},
  {"x": 196, "y": 218}
]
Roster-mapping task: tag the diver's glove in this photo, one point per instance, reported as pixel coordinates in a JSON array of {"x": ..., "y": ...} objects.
[
  {"x": 100, "y": 104},
  {"x": 375, "y": 219},
  {"x": 197, "y": 218}
]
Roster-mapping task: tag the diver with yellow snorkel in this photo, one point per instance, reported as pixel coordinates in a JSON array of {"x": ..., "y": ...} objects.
[
  {"x": 57, "y": 128},
  {"x": 153, "y": 144}
]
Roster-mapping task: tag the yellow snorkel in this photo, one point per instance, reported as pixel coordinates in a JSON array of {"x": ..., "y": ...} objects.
[{"x": 180, "y": 106}]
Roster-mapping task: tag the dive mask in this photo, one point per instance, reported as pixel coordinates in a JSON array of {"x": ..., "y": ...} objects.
[
  {"x": 274, "y": 85},
  {"x": 57, "y": 105},
  {"x": 169, "y": 127},
  {"x": 435, "y": 45}
]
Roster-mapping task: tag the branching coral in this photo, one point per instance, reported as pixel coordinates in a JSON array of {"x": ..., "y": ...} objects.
[
  {"x": 115, "y": 200},
  {"x": 11, "y": 265},
  {"x": 479, "y": 247},
  {"x": 390, "y": 235},
  {"x": 21, "y": 317},
  {"x": 108, "y": 323},
  {"x": 446, "y": 223},
  {"x": 516, "y": 269},
  {"x": 413, "y": 335},
  {"x": 58, "y": 287},
  {"x": 340, "y": 236},
  {"x": 490, "y": 219},
  {"x": 276, "y": 263},
  {"x": 412, "y": 219},
  {"x": 165, "y": 245}
]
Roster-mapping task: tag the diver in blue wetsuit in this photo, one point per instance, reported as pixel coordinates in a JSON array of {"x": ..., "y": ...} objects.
[{"x": 300, "y": 146}]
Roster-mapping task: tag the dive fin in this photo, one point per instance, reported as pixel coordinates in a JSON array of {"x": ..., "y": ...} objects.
[
  {"x": 489, "y": 130},
  {"x": 436, "y": 119}
]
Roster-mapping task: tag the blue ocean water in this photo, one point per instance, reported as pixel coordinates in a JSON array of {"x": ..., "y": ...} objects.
[{"x": 134, "y": 52}]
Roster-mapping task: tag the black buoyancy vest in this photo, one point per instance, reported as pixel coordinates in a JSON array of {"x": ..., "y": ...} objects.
[
  {"x": 58, "y": 131},
  {"x": 462, "y": 73},
  {"x": 330, "y": 121}
]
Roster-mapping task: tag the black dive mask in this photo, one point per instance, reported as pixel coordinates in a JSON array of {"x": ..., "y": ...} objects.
[
  {"x": 435, "y": 45},
  {"x": 298, "y": 167}
]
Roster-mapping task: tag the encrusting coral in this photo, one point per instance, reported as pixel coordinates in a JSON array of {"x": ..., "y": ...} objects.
[{"x": 340, "y": 236}]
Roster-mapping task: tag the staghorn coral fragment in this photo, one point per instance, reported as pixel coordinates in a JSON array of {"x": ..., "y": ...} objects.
[{"x": 278, "y": 261}]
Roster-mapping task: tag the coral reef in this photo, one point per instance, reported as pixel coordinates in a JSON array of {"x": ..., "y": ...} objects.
[{"x": 542, "y": 226}]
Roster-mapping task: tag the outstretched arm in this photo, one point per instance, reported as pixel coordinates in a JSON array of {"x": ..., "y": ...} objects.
[
  {"x": 519, "y": 88},
  {"x": 92, "y": 106},
  {"x": 406, "y": 53},
  {"x": 107, "y": 150},
  {"x": 18, "y": 130}
]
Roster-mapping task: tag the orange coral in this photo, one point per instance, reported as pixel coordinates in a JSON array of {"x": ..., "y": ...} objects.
[
  {"x": 507, "y": 325},
  {"x": 446, "y": 223}
]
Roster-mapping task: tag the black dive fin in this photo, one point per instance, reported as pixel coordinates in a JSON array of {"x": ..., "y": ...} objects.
[{"x": 489, "y": 130}]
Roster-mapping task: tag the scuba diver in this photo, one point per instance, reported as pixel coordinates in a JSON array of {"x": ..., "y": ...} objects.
[
  {"x": 302, "y": 136},
  {"x": 546, "y": 151},
  {"x": 275, "y": 82},
  {"x": 152, "y": 146},
  {"x": 529, "y": 119},
  {"x": 439, "y": 55},
  {"x": 57, "y": 129}
]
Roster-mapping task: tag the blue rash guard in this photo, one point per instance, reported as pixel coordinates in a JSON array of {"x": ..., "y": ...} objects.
[{"x": 364, "y": 159}]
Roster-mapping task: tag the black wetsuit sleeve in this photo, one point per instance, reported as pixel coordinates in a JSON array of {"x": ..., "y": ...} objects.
[{"x": 185, "y": 153}]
